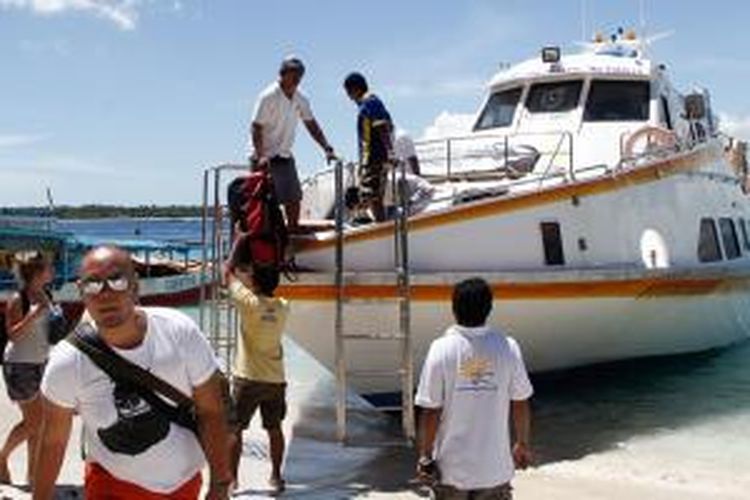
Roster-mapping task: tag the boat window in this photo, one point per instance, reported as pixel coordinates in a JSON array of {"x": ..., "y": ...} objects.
[
  {"x": 708, "y": 242},
  {"x": 552, "y": 241},
  {"x": 499, "y": 110},
  {"x": 729, "y": 238},
  {"x": 611, "y": 100},
  {"x": 744, "y": 231},
  {"x": 554, "y": 97}
]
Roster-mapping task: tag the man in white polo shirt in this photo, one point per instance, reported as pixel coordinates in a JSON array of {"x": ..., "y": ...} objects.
[
  {"x": 277, "y": 111},
  {"x": 472, "y": 377}
]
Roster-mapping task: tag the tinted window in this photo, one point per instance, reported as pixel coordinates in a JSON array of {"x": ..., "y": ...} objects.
[
  {"x": 499, "y": 110},
  {"x": 743, "y": 232},
  {"x": 553, "y": 97},
  {"x": 708, "y": 242},
  {"x": 729, "y": 238},
  {"x": 617, "y": 101},
  {"x": 552, "y": 241}
]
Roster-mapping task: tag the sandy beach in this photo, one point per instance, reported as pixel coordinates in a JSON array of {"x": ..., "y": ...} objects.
[{"x": 318, "y": 467}]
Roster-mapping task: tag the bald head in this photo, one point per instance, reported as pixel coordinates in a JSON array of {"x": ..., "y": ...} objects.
[
  {"x": 109, "y": 305},
  {"x": 107, "y": 260}
]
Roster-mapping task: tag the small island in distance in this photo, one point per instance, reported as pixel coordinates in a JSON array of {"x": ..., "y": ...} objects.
[{"x": 104, "y": 211}]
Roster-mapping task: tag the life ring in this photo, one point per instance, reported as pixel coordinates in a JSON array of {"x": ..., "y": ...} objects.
[{"x": 655, "y": 136}]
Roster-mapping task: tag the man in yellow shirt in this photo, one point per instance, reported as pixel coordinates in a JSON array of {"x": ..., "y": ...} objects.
[{"x": 259, "y": 380}]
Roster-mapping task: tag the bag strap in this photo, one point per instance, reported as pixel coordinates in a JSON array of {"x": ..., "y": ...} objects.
[
  {"x": 86, "y": 340},
  {"x": 25, "y": 302}
]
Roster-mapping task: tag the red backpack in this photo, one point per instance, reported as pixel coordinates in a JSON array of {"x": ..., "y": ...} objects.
[{"x": 253, "y": 203}]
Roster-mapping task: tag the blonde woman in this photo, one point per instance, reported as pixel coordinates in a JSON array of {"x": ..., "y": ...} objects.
[{"x": 26, "y": 323}]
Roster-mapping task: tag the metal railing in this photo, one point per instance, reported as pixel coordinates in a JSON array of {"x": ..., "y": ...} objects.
[
  {"x": 445, "y": 154},
  {"x": 217, "y": 316},
  {"x": 401, "y": 269}
]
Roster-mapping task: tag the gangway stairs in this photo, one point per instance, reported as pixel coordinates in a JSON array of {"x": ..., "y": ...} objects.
[
  {"x": 344, "y": 336},
  {"x": 217, "y": 317}
]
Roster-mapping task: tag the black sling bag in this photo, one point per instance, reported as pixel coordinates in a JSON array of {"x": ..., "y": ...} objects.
[{"x": 147, "y": 385}]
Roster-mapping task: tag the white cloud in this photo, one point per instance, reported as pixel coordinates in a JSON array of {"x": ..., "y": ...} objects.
[
  {"x": 448, "y": 124},
  {"x": 735, "y": 126},
  {"x": 123, "y": 13},
  {"x": 14, "y": 140}
]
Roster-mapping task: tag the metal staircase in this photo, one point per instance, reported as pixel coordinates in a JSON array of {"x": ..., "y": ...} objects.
[
  {"x": 343, "y": 336},
  {"x": 217, "y": 315}
]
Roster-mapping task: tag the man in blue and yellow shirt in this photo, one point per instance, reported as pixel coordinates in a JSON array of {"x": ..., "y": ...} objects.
[{"x": 374, "y": 129}]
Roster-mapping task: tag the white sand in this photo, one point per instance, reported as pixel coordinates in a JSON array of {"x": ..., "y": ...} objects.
[{"x": 318, "y": 467}]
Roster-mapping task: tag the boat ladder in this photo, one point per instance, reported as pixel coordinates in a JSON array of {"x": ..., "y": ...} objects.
[
  {"x": 217, "y": 315},
  {"x": 343, "y": 336}
]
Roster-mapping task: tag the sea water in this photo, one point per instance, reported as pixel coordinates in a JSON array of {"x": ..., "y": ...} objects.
[{"x": 678, "y": 420}]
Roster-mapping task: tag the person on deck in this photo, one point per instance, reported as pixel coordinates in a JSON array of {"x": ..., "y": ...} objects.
[
  {"x": 135, "y": 448},
  {"x": 277, "y": 111},
  {"x": 472, "y": 376},
  {"x": 374, "y": 131},
  {"x": 405, "y": 151}
]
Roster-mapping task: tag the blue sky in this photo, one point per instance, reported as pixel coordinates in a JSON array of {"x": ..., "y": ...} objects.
[{"x": 127, "y": 101}]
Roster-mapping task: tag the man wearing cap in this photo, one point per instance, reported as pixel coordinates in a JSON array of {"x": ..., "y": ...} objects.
[{"x": 277, "y": 111}]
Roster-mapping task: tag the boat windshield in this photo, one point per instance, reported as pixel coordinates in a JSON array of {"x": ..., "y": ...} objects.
[
  {"x": 499, "y": 110},
  {"x": 554, "y": 97},
  {"x": 611, "y": 100}
]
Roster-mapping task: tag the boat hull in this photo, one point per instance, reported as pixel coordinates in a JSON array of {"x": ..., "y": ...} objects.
[{"x": 561, "y": 320}]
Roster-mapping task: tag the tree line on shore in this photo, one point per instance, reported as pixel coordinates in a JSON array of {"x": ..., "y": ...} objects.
[{"x": 103, "y": 211}]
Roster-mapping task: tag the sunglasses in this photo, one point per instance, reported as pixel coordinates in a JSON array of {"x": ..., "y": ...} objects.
[{"x": 94, "y": 286}]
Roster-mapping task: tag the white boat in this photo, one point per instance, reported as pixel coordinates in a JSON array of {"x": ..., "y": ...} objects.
[{"x": 605, "y": 208}]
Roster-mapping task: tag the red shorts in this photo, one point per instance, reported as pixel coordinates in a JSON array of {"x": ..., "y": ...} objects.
[{"x": 101, "y": 485}]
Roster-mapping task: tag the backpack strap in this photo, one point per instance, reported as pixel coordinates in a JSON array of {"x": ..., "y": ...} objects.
[
  {"x": 148, "y": 385},
  {"x": 25, "y": 302}
]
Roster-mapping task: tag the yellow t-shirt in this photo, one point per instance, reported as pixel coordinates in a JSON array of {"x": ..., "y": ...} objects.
[{"x": 260, "y": 355}]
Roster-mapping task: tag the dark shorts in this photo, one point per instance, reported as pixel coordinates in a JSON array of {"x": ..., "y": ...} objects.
[
  {"x": 22, "y": 380},
  {"x": 446, "y": 492},
  {"x": 285, "y": 179},
  {"x": 249, "y": 395},
  {"x": 372, "y": 180}
]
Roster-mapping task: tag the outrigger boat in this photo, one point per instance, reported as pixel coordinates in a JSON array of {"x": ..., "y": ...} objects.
[
  {"x": 167, "y": 275},
  {"x": 607, "y": 210}
]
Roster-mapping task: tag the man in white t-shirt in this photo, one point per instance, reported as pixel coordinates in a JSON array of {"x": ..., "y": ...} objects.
[
  {"x": 277, "y": 111},
  {"x": 472, "y": 377},
  {"x": 133, "y": 449}
]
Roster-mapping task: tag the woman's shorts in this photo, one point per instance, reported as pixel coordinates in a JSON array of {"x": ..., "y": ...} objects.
[{"x": 22, "y": 380}]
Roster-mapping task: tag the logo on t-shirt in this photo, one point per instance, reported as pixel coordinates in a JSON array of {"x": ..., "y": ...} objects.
[
  {"x": 476, "y": 374},
  {"x": 138, "y": 426}
]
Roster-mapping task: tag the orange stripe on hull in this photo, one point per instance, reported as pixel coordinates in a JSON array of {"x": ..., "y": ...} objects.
[{"x": 521, "y": 291}]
